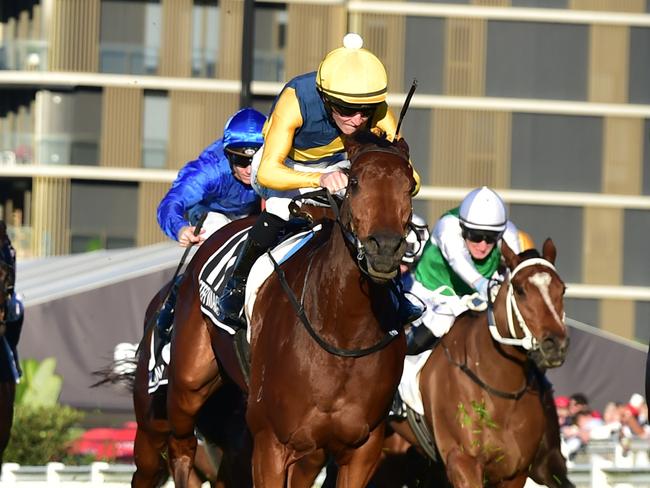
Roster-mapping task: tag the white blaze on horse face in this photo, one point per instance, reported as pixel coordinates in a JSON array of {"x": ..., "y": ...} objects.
[{"x": 542, "y": 282}]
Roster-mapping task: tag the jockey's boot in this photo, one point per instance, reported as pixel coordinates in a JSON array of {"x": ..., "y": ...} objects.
[
  {"x": 407, "y": 310},
  {"x": 419, "y": 339},
  {"x": 165, "y": 317},
  {"x": 262, "y": 236}
]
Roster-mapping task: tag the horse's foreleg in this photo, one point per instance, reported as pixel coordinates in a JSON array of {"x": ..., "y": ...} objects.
[
  {"x": 268, "y": 461},
  {"x": 303, "y": 473},
  {"x": 463, "y": 470},
  {"x": 193, "y": 377},
  {"x": 151, "y": 469},
  {"x": 356, "y": 471}
]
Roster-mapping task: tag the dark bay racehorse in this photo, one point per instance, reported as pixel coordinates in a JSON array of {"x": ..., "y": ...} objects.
[
  {"x": 305, "y": 400},
  {"x": 480, "y": 387},
  {"x": 219, "y": 417},
  {"x": 9, "y": 333}
]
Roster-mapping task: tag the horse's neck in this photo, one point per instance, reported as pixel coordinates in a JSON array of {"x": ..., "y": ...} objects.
[{"x": 341, "y": 287}]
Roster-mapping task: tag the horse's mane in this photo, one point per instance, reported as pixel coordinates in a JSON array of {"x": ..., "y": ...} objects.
[
  {"x": 365, "y": 140},
  {"x": 365, "y": 137},
  {"x": 529, "y": 254}
]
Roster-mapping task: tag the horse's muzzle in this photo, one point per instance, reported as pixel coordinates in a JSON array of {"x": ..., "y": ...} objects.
[
  {"x": 383, "y": 255},
  {"x": 551, "y": 352}
]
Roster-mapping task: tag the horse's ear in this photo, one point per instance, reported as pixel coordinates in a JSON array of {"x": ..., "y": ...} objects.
[
  {"x": 509, "y": 256},
  {"x": 402, "y": 147},
  {"x": 548, "y": 250}
]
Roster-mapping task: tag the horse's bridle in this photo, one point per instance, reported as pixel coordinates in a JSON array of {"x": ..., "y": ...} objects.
[{"x": 528, "y": 342}]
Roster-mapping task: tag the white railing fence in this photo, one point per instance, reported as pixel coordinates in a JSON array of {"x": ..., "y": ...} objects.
[{"x": 606, "y": 464}]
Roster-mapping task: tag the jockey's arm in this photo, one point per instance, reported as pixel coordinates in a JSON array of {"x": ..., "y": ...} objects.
[
  {"x": 511, "y": 236},
  {"x": 448, "y": 237},
  {"x": 388, "y": 125},
  {"x": 278, "y": 141}
]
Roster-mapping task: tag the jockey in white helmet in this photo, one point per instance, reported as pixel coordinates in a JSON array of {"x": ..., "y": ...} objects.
[{"x": 461, "y": 257}]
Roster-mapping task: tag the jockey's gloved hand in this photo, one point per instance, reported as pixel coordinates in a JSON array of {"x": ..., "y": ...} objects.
[
  {"x": 481, "y": 286},
  {"x": 475, "y": 302}
]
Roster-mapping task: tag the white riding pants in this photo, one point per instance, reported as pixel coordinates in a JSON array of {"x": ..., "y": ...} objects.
[{"x": 441, "y": 310}]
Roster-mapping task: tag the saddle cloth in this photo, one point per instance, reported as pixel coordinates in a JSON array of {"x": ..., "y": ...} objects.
[{"x": 212, "y": 280}]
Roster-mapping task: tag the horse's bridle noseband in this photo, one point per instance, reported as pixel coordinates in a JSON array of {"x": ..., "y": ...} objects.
[{"x": 528, "y": 342}]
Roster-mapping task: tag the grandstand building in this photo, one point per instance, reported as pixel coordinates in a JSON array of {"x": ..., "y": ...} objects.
[{"x": 548, "y": 101}]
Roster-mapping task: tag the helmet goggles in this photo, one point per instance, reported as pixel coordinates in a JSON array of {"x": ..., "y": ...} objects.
[
  {"x": 480, "y": 235},
  {"x": 350, "y": 109},
  {"x": 241, "y": 157}
]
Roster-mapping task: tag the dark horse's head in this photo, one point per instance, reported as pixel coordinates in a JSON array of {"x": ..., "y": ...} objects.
[
  {"x": 535, "y": 297},
  {"x": 377, "y": 206},
  {"x": 6, "y": 275}
]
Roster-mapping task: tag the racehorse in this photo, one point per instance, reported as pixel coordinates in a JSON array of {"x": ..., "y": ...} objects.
[
  {"x": 220, "y": 419},
  {"x": 9, "y": 333},
  {"x": 323, "y": 384},
  {"x": 481, "y": 388}
]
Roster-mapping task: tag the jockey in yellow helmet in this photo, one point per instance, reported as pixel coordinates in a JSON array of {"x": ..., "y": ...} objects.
[{"x": 303, "y": 149}]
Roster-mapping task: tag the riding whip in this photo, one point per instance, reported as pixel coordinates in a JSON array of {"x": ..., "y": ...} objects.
[
  {"x": 197, "y": 229},
  {"x": 405, "y": 107}
]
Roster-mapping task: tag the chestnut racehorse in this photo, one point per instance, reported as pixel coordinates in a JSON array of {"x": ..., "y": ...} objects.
[
  {"x": 321, "y": 384},
  {"x": 481, "y": 388}
]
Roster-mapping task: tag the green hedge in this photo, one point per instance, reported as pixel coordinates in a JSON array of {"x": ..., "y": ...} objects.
[{"x": 42, "y": 434}]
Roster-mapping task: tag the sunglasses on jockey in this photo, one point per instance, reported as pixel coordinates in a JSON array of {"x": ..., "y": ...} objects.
[
  {"x": 345, "y": 109},
  {"x": 480, "y": 235},
  {"x": 241, "y": 157}
]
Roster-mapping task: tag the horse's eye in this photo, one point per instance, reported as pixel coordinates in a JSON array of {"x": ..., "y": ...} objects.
[
  {"x": 519, "y": 290},
  {"x": 353, "y": 183}
]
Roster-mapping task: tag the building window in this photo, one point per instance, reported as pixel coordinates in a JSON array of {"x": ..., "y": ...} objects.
[
  {"x": 70, "y": 127},
  {"x": 156, "y": 130},
  {"x": 425, "y": 33},
  {"x": 556, "y": 152},
  {"x": 537, "y": 60},
  {"x": 130, "y": 36},
  {"x": 270, "y": 42},
  {"x": 102, "y": 215},
  {"x": 636, "y": 266},
  {"x": 563, "y": 225},
  {"x": 205, "y": 39},
  {"x": 639, "y": 78}
]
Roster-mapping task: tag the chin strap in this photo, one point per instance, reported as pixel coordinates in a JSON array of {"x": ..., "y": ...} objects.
[{"x": 528, "y": 342}]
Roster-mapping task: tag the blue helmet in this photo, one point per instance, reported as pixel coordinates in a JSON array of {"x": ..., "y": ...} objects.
[{"x": 244, "y": 130}]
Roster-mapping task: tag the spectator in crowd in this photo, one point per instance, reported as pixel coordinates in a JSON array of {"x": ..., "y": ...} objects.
[
  {"x": 577, "y": 436},
  {"x": 562, "y": 407},
  {"x": 578, "y": 402}
]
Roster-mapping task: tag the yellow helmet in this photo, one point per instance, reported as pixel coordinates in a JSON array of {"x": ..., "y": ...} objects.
[{"x": 352, "y": 75}]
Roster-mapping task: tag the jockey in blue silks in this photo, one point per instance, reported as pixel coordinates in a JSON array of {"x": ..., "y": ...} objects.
[{"x": 217, "y": 182}]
